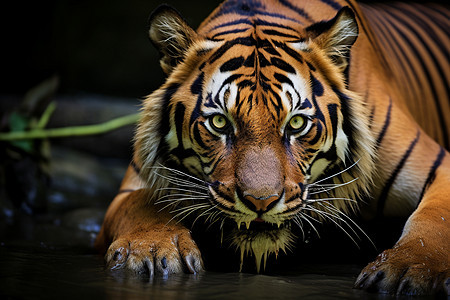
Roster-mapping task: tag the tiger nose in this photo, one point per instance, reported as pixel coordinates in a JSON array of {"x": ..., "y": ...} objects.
[{"x": 261, "y": 203}]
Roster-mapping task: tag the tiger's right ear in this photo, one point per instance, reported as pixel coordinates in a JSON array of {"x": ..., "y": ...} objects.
[{"x": 171, "y": 35}]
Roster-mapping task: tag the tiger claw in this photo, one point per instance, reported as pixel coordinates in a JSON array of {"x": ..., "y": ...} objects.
[
  {"x": 173, "y": 252},
  {"x": 194, "y": 264}
]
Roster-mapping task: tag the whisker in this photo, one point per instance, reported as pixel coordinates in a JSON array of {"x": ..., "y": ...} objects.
[
  {"x": 334, "y": 175},
  {"x": 333, "y": 186},
  {"x": 203, "y": 213},
  {"x": 180, "y": 190},
  {"x": 217, "y": 219},
  {"x": 308, "y": 201},
  {"x": 299, "y": 224},
  {"x": 175, "y": 203},
  {"x": 194, "y": 206},
  {"x": 179, "y": 197},
  {"x": 330, "y": 217},
  {"x": 179, "y": 173},
  {"x": 181, "y": 182},
  {"x": 305, "y": 217},
  {"x": 187, "y": 212},
  {"x": 213, "y": 216},
  {"x": 333, "y": 213},
  {"x": 172, "y": 202},
  {"x": 353, "y": 222}
]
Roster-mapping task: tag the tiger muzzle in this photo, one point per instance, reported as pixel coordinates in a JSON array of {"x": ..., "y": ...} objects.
[
  {"x": 260, "y": 204},
  {"x": 260, "y": 178}
]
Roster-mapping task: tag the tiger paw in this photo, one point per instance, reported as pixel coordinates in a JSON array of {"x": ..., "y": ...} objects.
[
  {"x": 157, "y": 251},
  {"x": 401, "y": 271}
]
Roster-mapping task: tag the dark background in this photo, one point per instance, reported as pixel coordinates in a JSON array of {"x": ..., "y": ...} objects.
[
  {"x": 101, "y": 54},
  {"x": 95, "y": 46}
]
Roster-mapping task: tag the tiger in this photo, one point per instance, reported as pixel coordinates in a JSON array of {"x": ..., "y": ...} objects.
[{"x": 276, "y": 114}]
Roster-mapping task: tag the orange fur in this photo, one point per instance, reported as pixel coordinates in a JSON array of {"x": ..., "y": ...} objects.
[{"x": 373, "y": 122}]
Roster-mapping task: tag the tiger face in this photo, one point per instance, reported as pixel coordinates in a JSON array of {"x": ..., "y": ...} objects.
[{"x": 246, "y": 127}]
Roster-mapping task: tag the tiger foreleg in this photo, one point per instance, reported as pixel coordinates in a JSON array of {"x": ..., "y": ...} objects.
[
  {"x": 143, "y": 240},
  {"x": 419, "y": 263}
]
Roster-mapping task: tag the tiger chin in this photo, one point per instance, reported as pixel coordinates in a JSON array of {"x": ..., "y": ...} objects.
[
  {"x": 278, "y": 115},
  {"x": 263, "y": 242}
]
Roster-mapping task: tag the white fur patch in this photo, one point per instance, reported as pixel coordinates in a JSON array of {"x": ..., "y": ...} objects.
[
  {"x": 214, "y": 87},
  {"x": 301, "y": 46},
  {"x": 341, "y": 144},
  {"x": 318, "y": 167},
  {"x": 171, "y": 138}
]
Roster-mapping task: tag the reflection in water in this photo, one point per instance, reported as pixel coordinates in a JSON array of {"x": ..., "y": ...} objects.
[{"x": 41, "y": 273}]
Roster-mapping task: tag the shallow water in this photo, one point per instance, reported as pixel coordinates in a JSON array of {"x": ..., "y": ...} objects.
[
  {"x": 30, "y": 271},
  {"x": 41, "y": 273},
  {"x": 43, "y": 259}
]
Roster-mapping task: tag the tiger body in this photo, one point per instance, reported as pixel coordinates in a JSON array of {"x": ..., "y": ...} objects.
[{"x": 278, "y": 112}]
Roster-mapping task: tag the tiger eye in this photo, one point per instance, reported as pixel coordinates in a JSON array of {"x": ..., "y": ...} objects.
[
  {"x": 219, "y": 121},
  {"x": 296, "y": 122}
]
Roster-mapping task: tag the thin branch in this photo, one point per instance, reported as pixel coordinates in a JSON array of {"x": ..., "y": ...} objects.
[{"x": 71, "y": 131}]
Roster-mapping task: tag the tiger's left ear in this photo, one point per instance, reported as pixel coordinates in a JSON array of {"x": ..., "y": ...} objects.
[
  {"x": 171, "y": 35},
  {"x": 336, "y": 36}
]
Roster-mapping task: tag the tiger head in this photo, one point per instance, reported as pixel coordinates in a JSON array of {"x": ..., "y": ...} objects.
[{"x": 251, "y": 127}]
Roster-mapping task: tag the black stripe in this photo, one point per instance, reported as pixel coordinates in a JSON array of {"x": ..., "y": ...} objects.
[
  {"x": 235, "y": 22},
  {"x": 347, "y": 125},
  {"x": 387, "y": 187},
  {"x": 197, "y": 85},
  {"x": 232, "y": 64},
  {"x": 298, "y": 10},
  {"x": 135, "y": 167},
  {"x": 222, "y": 195},
  {"x": 179, "y": 121},
  {"x": 280, "y": 16},
  {"x": 283, "y": 79},
  {"x": 251, "y": 9},
  {"x": 250, "y": 61},
  {"x": 293, "y": 198},
  {"x": 271, "y": 50},
  {"x": 431, "y": 15},
  {"x": 305, "y": 104},
  {"x": 164, "y": 125},
  {"x": 425, "y": 68},
  {"x": 197, "y": 89},
  {"x": 432, "y": 173},
  {"x": 440, "y": 12},
  {"x": 388, "y": 40},
  {"x": 244, "y": 41},
  {"x": 279, "y": 33},
  {"x": 259, "y": 22},
  {"x": 318, "y": 135},
  {"x": 229, "y": 32},
  {"x": 387, "y": 121},
  {"x": 424, "y": 22},
  {"x": 291, "y": 52},
  {"x": 332, "y": 112},
  {"x": 369, "y": 35},
  {"x": 198, "y": 137},
  {"x": 281, "y": 64},
  {"x": 332, "y": 3},
  {"x": 279, "y": 105}
]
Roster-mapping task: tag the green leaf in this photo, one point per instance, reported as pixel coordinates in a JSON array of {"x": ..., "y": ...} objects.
[{"x": 18, "y": 123}]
